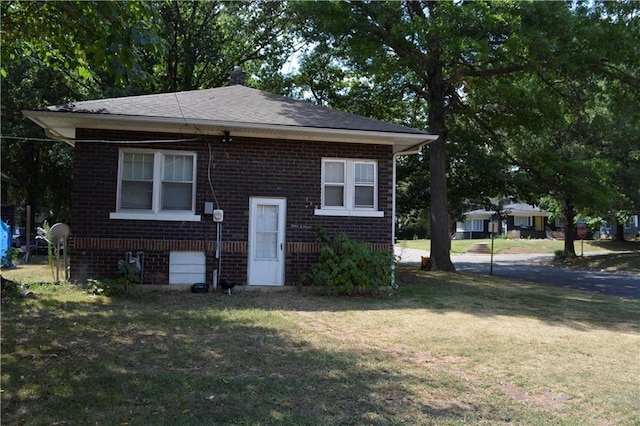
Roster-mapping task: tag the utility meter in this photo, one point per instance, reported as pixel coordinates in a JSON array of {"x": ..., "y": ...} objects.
[{"x": 218, "y": 215}]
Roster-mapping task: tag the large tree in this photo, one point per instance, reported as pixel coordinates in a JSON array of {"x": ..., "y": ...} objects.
[
  {"x": 508, "y": 87},
  {"x": 81, "y": 40},
  {"x": 568, "y": 124},
  {"x": 435, "y": 48},
  {"x": 205, "y": 40}
]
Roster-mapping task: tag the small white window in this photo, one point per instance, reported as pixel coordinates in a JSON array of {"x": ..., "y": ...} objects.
[
  {"x": 522, "y": 221},
  {"x": 177, "y": 182},
  {"x": 136, "y": 185},
  {"x": 349, "y": 188},
  {"x": 334, "y": 183},
  {"x": 364, "y": 181},
  {"x": 156, "y": 185},
  {"x": 477, "y": 225},
  {"x": 474, "y": 225}
]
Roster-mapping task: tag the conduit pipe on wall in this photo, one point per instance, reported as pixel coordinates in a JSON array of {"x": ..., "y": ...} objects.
[
  {"x": 218, "y": 253},
  {"x": 413, "y": 151}
]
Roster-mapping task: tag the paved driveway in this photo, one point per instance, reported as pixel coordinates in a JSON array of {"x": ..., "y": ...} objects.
[{"x": 527, "y": 267}]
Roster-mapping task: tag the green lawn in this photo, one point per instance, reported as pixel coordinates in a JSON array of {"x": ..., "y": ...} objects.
[
  {"x": 443, "y": 350},
  {"x": 505, "y": 246}
]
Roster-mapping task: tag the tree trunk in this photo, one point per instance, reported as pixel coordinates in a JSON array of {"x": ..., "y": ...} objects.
[
  {"x": 32, "y": 184},
  {"x": 440, "y": 257},
  {"x": 569, "y": 217},
  {"x": 619, "y": 230}
]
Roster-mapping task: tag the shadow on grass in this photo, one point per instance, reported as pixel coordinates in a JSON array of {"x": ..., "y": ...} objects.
[
  {"x": 152, "y": 361},
  {"x": 628, "y": 262},
  {"x": 614, "y": 245},
  {"x": 483, "y": 296},
  {"x": 478, "y": 295}
]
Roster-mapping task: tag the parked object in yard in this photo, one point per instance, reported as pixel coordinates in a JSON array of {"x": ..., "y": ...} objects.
[
  {"x": 5, "y": 243},
  {"x": 200, "y": 288},
  {"x": 227, "y": 284}
]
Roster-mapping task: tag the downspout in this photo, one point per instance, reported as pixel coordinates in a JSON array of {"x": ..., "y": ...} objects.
[
  {"x": 410, "y": 151},
  {"x": 393, "y": 222},
  {"x": 414, "y": 150}
]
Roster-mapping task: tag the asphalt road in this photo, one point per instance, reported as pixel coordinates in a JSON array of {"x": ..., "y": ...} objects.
[{"x": 528, "y": 267}]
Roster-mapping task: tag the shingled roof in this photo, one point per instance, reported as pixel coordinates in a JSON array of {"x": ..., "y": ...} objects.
[{"x": 238, "y": 109}]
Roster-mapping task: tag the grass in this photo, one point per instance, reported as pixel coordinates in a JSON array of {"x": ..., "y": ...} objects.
[
  {"x": 37, "y": 270},
  {"x": 604, "y": 255},
  {"x": 606, "y": 262},
  {"x": 506, "y": 246},
  {"x": 445, "y": 349}
]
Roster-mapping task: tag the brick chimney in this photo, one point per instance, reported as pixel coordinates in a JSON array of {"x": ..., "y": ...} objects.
[{"x": 237, "y": 76}]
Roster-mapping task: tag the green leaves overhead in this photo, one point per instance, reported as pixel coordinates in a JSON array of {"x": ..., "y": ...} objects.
[
  {"x": 80, "y": 38},
  {"x": 205, "y": 40}
]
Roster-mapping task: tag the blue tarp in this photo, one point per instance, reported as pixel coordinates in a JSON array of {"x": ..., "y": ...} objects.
[{"x": 5, "y": 243}]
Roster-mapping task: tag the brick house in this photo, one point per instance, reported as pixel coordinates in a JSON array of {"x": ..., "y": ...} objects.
[{"x": 230, "y": 181}]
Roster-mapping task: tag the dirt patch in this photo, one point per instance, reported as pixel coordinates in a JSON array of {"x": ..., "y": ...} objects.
[
  {"x": 521, "y": 250},
  {"x": 479, "y": 248}
]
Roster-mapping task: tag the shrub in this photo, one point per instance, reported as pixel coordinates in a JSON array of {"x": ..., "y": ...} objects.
[
  {"x": 106, "y": 287},
  {"x": 559, "y": 255},
  {"x": 129, "y": 273},
  {"x": 11, "y": 255},
  {"x": 349, "y": 267}
]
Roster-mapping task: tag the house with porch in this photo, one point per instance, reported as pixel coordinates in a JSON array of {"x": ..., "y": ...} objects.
[{"x": 519, "y": 220}]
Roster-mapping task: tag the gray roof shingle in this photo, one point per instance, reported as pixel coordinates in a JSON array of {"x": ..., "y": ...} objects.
[{"x": 238, "y": 104}]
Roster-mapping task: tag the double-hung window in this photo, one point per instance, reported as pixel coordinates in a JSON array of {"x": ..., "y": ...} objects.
[
  {"x": 349, "y": 188},
  {"x": 476, "y": 225},
  {"x": 156, "y": 185},
  {"x": 473, "y": 225},
  {"x": 522, "y": 221}
]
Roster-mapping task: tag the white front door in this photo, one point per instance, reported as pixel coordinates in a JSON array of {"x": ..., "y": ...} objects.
[{"x": 266, "y": 241}]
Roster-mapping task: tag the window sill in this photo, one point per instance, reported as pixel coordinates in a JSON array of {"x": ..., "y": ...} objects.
[
  {"x": 175, "y": 217},
  {"x": 348, "y": 213}
]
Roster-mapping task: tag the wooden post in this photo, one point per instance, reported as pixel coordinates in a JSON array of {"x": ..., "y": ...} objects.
[
  {"x": 28, "y": 236},
  {"x": 493, "y": 229},
  {"x": 491, "y": 267}
]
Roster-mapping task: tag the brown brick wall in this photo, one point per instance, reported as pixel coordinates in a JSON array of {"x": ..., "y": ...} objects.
[{"x": 240, "y": 169}]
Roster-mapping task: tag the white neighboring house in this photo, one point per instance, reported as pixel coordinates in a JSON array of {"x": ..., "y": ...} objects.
[
  {"x": 523, "y": 220},
  {"x": 631, "y": 229}
]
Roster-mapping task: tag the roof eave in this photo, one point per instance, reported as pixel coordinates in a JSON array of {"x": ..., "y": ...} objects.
[{"x": 63, "y": 125}]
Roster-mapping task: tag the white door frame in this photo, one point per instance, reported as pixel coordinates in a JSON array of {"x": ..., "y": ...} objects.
[{"x": 266, "y": 267}]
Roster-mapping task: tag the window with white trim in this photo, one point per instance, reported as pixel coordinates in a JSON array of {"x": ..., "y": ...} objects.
[
  {"x": 349, "y": 188},
  {"x": 474, "y": 225},
  {"x": 524, "y": 221},
  {"x": 156, "y": 185},
  {"x": 477, "y": 225}
]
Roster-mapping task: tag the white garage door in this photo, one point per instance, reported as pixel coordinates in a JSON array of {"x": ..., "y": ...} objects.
[{"x": 187, "y": 267}]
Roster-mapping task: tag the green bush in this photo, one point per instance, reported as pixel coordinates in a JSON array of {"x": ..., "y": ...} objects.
[
  {"x": 10, "y": 256},
  {"x": 349, "y": 267},
  {"x": 106, "y": 287},
  {"x": 559, "y": 255},
  {"x": 129, "y": 274}
]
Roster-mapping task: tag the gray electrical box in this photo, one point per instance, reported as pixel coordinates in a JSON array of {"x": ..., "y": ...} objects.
[{"x": 208, "y": 207}]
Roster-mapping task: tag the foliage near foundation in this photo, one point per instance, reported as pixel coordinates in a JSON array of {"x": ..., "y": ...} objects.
[{"x": 348, "y": 267}]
